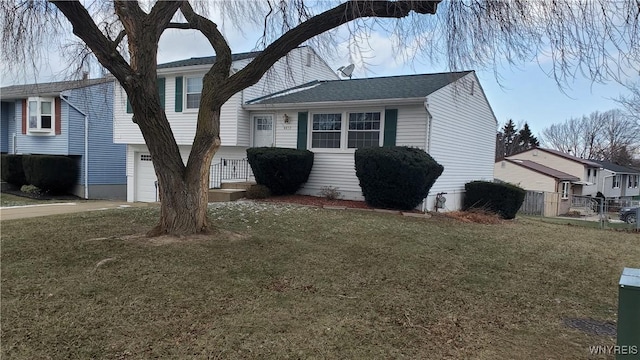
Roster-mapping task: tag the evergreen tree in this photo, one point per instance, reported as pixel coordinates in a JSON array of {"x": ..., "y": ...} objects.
[
  {"x": 510, "y": 137},
  {"x": 526, "y": 138}
]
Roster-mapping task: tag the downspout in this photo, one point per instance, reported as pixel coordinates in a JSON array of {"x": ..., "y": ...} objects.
[
  {"x": 86, "y": 145},
  {"x": 428, "y": 141}
]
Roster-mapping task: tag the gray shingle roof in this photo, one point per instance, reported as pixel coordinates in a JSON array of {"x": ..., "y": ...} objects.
[
  {"x": 563, "y": 176},
  {"x": 616, "y": 168},
  {"x": 52, "y": 88},
  {"x": 392, "y": 87},
  {"x": 206, "y": 60}
]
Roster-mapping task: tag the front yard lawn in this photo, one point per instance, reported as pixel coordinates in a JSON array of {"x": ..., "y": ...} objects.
[{"x": 280, "y": 281}]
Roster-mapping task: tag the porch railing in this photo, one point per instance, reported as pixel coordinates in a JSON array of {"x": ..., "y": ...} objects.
[{"x": 229, "y": 170}]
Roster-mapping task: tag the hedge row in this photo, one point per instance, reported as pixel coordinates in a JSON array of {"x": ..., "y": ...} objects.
[
  {"x": 282, "y": 170},
  {"x": 397, "y": 177},
  {"x": 52, "y": 173},
  {"x": 502, "y": 198}
]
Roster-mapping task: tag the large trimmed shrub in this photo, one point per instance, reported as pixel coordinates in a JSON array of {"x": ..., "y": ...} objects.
[
  {"x": 397, "y": 177},
  {"x": 12, "y": 171},
  {"x": 503, "y": 199},
  {"x": 282, "y": 170},
  {"x": 55, "y": 174}
]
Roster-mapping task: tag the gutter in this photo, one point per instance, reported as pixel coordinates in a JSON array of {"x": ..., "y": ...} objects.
[
  {"x": 334, "y": 104},
  {"x": 86, "y": 145},
  {"x": 427, "y": 146}
]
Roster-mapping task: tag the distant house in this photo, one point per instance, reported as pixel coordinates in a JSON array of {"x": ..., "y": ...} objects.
[
  {"x": 533, "y": 176},
  {"x": 73, "y": 118},
  {"x": 584, "y": 172},
  {"x": 616, "y": 181}
]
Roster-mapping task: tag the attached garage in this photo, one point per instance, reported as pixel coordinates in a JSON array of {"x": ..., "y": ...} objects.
[
  {"x": 141, "y": 176},
  {"x": 145, "y": 179}
]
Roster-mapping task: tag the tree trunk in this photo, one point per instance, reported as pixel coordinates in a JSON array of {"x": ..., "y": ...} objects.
[
  {"x": 183, "y": 190},
  {"x": 183, "y": 202}
]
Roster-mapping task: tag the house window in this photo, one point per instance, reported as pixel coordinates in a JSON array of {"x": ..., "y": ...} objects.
[
  {"x": 565, "y": 189},
  {"x": 633, "y": 181},
  {"x": 326, "y": 131},
  {"x": 616, "y": 181},
  {"x": 40, "y": 114},
  {"x": 592, "y": 175},
  {"x": 364, "y": 130},
  {"x": 194, "y": 91}
]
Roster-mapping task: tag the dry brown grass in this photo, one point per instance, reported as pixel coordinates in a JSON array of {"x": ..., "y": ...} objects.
[
  {"x": 296, "y": 282},
  {"x": 476, "y": 216}
]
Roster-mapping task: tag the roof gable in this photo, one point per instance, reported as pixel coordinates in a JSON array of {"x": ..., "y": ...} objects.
[
  {"x": 545, "y": 170},
  {"x": 47, "y": 89},
  {"x": 391, "y": 87}
]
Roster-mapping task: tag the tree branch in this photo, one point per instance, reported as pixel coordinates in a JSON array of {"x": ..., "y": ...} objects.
[
  {"x": 85, "y": 28},
  {"x": 210, "y": 30},
  {"x": 183, "y": 26},
  {"x": 318, "y": 24},
  {"x": 119, "y": 38},
  {"x": 162, "y": 13}
]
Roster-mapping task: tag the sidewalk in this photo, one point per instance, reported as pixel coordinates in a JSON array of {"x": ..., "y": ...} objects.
[{"x": 29, "y": 211}]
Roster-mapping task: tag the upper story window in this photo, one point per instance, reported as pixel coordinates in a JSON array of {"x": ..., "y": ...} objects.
[
  {"x": 592, "y": 175},
  {"x": 633, "y": 181},
  {"x": 194, "y": 91},
  {"x": 326, "y": 131},
  {"x": 40, "y": 112},
  {"x": 616, "y": 181},
  {"x": 364, "y": 130}
]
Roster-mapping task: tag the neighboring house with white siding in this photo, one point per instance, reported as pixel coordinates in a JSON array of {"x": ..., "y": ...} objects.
[
  {"x": 445, "y": 114},
  {"x": 179, "y": 87},
  {"x": 586, "y": 171},
  {"x": 618, "y": 182},
  {"x": 72, "y": 118}
]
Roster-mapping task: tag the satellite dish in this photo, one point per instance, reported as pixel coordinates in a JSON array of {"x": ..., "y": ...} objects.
[{"x": 346, "y": 71}]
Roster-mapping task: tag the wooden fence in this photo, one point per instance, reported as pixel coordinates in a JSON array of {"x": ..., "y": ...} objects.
[{"x": 540, "y": 203}]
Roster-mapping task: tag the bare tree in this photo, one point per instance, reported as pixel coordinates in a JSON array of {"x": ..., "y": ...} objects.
[
  {"x": 600, "y": 135},
  {"x": 595, "y": 38}
]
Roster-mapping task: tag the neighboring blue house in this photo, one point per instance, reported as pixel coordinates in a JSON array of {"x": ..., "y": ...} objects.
[{"x": 73, "y": 118}]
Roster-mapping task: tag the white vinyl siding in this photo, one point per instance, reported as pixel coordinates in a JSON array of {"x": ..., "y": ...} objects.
[
  {"x": 336, "y": 167},
  {"x": 523, "y": 177},
  {"x": 235, "y": 124},
  {"x": 412, "y": 126},
  {"x": 462, "y": 140}
]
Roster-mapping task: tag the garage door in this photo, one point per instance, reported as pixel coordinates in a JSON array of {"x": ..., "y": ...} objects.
[{"x": 145, "y": 179}]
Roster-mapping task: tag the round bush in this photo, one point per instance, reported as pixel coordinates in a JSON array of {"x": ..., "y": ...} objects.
[
  {"x": 501, "y": 198},
  {"x": 55, "y": 174},
  {"x": 12, "y": 171},
  {"x": 282, "y": 170},
  {"x": 397, "y": 177}
]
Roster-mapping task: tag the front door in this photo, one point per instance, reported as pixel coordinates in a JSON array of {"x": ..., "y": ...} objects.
[{"x": 262, "y": 130}]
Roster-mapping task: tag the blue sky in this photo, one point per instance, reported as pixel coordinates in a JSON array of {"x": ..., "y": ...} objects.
[{"x": 523, "y": 93}]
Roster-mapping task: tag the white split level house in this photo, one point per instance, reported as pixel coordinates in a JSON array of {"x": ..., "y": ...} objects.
[{"x": 301, "y": 103}]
